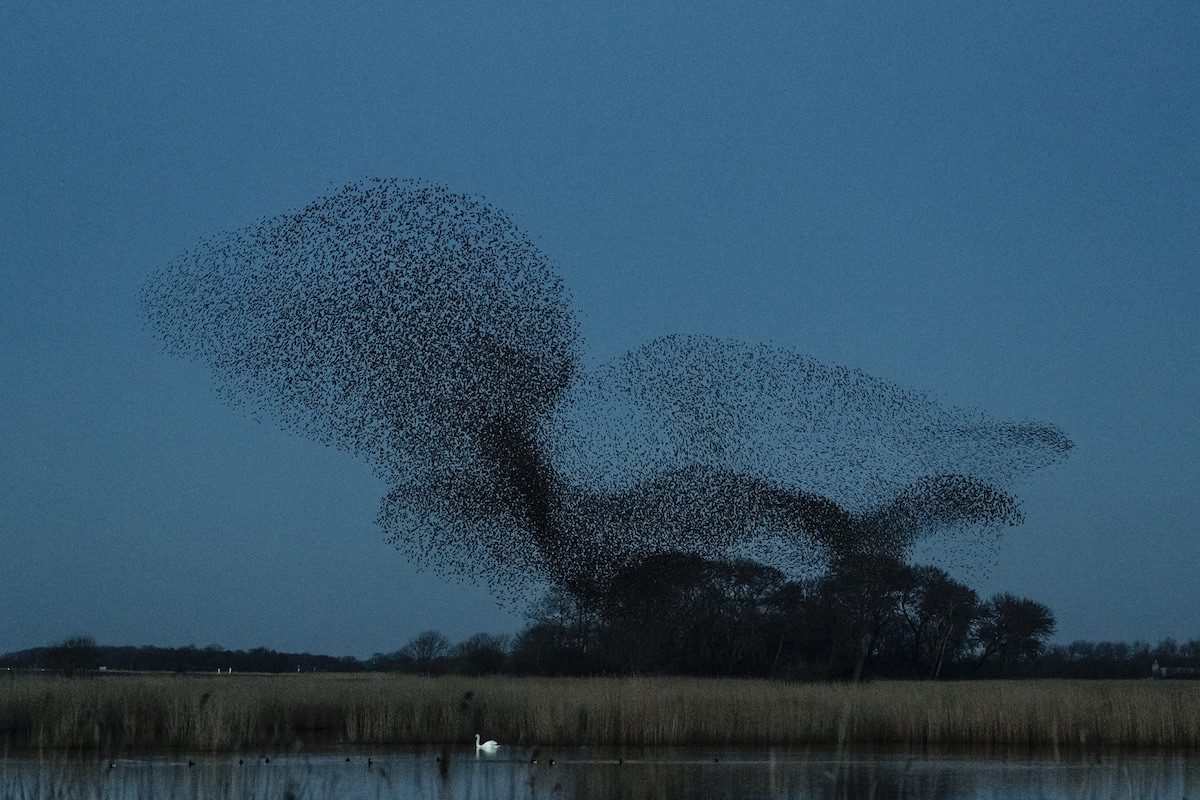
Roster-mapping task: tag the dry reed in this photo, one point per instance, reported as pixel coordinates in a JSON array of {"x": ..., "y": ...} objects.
[{"x": 239, "y": 712}]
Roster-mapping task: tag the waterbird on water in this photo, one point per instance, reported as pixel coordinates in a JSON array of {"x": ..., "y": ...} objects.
[{"x": 488, "y": 747}]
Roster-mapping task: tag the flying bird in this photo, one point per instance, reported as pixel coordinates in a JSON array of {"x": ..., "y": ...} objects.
[{"x": 422, "y": 331}]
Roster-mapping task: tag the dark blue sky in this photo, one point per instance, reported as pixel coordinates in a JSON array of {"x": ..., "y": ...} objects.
[{"x": 994, "y": 204}]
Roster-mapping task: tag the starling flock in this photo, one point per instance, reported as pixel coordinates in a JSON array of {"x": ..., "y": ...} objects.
[{"x": 423, "y": 331}]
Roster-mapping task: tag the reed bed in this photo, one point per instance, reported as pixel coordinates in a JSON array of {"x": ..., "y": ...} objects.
[{"x": 245, "y": 712}]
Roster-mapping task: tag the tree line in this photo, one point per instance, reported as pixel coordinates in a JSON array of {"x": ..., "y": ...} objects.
[
  {"x": 81, "y": 654},
  {"x": 869, "y": 617},
  {"x": 679, "y": 614}
]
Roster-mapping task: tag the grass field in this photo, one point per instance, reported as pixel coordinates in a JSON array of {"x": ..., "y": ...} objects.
[{"x": 242, "y": 712}]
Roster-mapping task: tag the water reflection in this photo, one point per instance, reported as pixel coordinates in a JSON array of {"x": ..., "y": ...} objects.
[{"x": 661, "y": 775}]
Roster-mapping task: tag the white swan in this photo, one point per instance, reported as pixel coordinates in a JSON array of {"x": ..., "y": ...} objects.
[{"x": 488, "y": 747}]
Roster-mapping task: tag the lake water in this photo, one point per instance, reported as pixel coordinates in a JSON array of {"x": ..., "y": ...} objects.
[{"x": 658, "y": 775}]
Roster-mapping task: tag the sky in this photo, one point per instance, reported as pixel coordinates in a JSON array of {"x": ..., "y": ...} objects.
[{"x": 993, "y": 204}]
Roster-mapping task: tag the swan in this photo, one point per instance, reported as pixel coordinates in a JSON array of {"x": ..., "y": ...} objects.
[{"x": 488, "y": 747}]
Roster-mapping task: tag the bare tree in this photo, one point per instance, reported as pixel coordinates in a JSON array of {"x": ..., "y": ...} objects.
[
  {"x": 73, "y": 656},
  {"x": 427, "y": 650},
  {"x": 1012, "y": 632},
  {"x": 483, "y": 653},
  {"x": 939, "y": 613}
]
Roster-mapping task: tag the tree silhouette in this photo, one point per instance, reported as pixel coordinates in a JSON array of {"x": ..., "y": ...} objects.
[
  {"x": 1013, "y": 632},
  {"x": 939, "y": 613},
  {"x": 427, "y": 651},
  {"x": 73, "y": 656}
]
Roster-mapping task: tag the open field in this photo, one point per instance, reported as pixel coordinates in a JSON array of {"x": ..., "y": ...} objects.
[{"x": 240, "y": 712}]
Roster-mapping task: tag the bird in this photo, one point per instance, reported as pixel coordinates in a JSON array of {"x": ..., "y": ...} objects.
[
  {"x": 416, "y": 327},
  {"x": 488, "y": 747}
]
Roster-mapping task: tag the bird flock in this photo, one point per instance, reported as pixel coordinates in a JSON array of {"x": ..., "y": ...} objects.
[{"x": 423, "y": 331}]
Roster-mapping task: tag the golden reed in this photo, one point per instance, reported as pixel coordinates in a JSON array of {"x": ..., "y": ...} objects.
[{"x": 236, "y": 712}]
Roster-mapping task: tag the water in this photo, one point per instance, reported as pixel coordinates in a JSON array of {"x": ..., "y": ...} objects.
[{"x": 657, "y": 775}]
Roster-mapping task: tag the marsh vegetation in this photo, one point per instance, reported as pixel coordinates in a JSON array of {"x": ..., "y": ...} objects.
[{"x": 289, "y": 712}]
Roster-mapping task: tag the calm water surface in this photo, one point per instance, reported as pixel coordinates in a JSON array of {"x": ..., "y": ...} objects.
[{"x": 662, "y": 775}]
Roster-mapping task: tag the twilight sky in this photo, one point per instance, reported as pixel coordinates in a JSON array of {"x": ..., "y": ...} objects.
[{"x": 996, "y": 205}]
